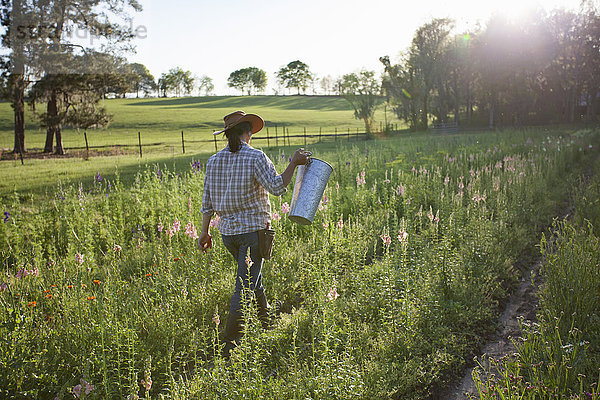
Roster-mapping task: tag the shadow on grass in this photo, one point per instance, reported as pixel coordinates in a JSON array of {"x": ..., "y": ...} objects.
[{"x": 325, "y": 103}]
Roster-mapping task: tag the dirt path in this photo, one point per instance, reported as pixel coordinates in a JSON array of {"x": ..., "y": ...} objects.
[{"x": 523, "y": 303}]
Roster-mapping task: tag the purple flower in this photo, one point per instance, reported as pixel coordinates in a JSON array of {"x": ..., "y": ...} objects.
[
  {"x": 285, "y": 208},
  {"x": 98, "y": 177},
  {"x": 22, "y": 273},
  {"x": 6, "y": 216},
  {"x": 3, "y": 286},
  {"x": 196, "y": 166}
]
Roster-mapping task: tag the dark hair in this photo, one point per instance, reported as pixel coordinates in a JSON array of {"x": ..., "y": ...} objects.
[{"x": 234, "y": 135}]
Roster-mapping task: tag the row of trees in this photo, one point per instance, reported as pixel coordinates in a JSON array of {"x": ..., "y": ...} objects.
[{"x": 539, "y": 70}]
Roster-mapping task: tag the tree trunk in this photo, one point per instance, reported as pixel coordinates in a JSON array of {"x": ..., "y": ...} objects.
[
  {"x": 59, "y": 145},
  {"x": 424, "y": 111},
  {"x": 18, "y": 98},
  {"x": 52, "y": 112}
]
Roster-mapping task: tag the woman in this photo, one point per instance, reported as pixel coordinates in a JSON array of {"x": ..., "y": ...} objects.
[{"x": 238, "y": 180}]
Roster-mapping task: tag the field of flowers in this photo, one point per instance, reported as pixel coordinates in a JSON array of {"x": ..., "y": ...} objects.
[
  {"x": 558, "y": 357},
  {"x": 388, "y": 294}
]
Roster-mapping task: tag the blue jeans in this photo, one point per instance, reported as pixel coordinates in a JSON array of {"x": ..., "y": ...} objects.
[{"x": 248, "y": 278}]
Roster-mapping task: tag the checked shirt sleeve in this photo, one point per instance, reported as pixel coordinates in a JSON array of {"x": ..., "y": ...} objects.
[
  {"x": 267, "y": 176},
  {"x": 206, "y": 201}
]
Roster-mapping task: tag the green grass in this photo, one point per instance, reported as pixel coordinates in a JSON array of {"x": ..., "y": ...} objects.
[{"x": 161, "y": 121}]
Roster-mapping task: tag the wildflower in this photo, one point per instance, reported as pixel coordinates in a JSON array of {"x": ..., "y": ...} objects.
[
  {"x": 249, "y": 261},
  {"x": 83, "y": 285},
  {"x": 340, "y": 224},
  {"x": 275, "y": 216},
  {"x": 22, "y": 273},
  {"x": 91, "y": 298},
  {"x": 97, "y": 281},
  {"x": 402, "y": 235},
  {"x": 189, "y": 204},
  {"x": 160, "y": 227},
  {"x": 446, "y": 180},
  {"x": 333, "y": 294},
  {"x": 117, "y": 248},
  {"x": 191, "y": 231},
  {"x": 170, "y": 232},
  {"x": 6, "y": 216},
  {"x": 69, "y": 286},
  {"x": 325, "y": 225},
  {"x": 337, "y": 186},
  {"x": 325, "y": 199},
  {"x": 3, "y": 286},
  {"x": 176, "y": 259},
  {"x": 77, "y": 391},
  {"x": 430, "y": 215},
  {"x": 216, "y": 319},
  {"x": 147, "y": 382},
  {"x": 32, "y": 304},
  {"x": 387, "y": 240},
  {"x": 79, "y": 258},
  {"x": 401, "y": 190},
  {"x": 148, "y": 275},
  {"x": 176, "y": 226},
  {"x": 215, "y": 221},
  {"x": 49, "y": 296},
  {"x": 285, "y": 208},
  {"x": 196, "y": 166},
  {"x": 98, "y": 177},
  {"x": 360, "y": 178}
]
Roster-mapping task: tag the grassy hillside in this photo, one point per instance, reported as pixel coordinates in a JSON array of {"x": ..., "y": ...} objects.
[{"x": 162, "y": 120}]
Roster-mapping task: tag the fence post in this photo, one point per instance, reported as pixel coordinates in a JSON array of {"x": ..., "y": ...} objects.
[
  {"x": 140, "y": 142},
  {"x": 319, "y": 134},
  {"x": 215, "y": 138},
  {"x": 348, "y": 134},
  {"x": 268, "y": 145},
  {"x": 288, "y": 137},
  {"x": 304, "y": 137},
  {"x": 357, "y": 134},
  {"x": 87, "y": 147},
  {"x": 276, "y": 139},
  {"x": 182, "y": 142}
]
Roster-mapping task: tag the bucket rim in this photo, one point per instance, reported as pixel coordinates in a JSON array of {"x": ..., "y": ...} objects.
[{"x": 318, "y": 159}]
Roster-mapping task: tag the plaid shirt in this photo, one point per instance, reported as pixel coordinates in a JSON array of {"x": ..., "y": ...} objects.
[{"x": 236, "y": 186}]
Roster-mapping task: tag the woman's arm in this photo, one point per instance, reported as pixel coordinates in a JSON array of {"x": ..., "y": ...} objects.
[{"x": 300, "y": 157}]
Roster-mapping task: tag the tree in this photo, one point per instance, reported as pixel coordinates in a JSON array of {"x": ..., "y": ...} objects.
[
  {"x": 205, "y": 84},
  {"x": 142, "y": 79},
  {"x": 295, "y": 75},
  {"x": 362, "y": 91},
  {"x": 246, "y": 79},
  {"x": 327, "y": 84},
  {"x": 177, "y": 80},
  {"x": 36, "y": 35}
]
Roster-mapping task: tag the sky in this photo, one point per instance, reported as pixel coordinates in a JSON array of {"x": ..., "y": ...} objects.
[{"x": 333, "y": 37}]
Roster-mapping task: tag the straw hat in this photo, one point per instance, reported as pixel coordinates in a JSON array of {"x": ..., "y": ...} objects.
[{"x": 237, "y": 117}]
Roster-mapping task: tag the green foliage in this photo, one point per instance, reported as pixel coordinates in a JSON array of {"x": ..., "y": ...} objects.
[
  {"x": 384, "y": 296},
  {"x": 558, "y": 356},
  {"x": 295, "y": 75},
  {"x": 248, "y": 78}
]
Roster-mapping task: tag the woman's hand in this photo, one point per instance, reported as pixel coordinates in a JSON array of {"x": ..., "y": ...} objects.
[
  {"x": 205, "y": 242},
  {"x": 301, "y": 157}
]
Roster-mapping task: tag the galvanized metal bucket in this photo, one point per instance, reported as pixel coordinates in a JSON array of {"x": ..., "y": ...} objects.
[{"x": 311, "y": 181}]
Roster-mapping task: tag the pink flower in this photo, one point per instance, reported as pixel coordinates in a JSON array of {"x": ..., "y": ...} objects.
[
  {"x": 360, "y": 179},
  {"x": 117, "y": 248},
  {"x": 215, "y": 221},
  {"x": 402, "y": 235},
  {"x": 337, "y": 186},
  {"x": 333, "y": 294},
  {"x": 191, "y": 231},
  {"x": 216, "y": 319},
  {"x": 285, "y": 208},
  {"x": 387, "y": 240},
  {"x": 170, "y": 232},
  {"x": 446, "y": 180},
  {"x": 401, "y": 190},
  {"x": 160, "y": 227},
  {"x": 147, "y": 383},
  {"x": 189, "y": 204},
  {"x": 325, "y": 225},
  {"x": 340, "y": 224},
  {"x": 77, "y": 391},
  {"x": 79, "y": 258},
  {"x": 34, "y": 272},
  {"x": 176, "y": 225},
  {"x": 249, "y": 261},
  {"x": 3, "y": 287},
  {"x": 275, "y": 216},
  {"x": 325, "y": 199}
]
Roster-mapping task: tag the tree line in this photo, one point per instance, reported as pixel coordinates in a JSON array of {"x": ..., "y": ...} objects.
[{"x": 544, "y": 69}]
